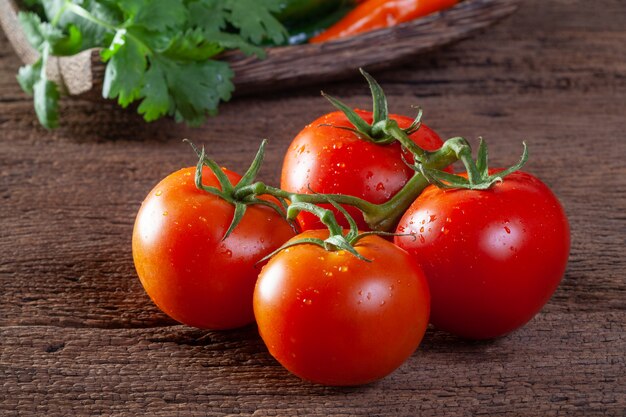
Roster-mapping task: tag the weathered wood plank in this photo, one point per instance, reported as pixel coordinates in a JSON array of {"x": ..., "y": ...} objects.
[{"x": 561, "y": 364}]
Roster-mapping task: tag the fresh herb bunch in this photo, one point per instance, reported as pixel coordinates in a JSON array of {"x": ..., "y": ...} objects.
[{"x": 161, "y": 53}]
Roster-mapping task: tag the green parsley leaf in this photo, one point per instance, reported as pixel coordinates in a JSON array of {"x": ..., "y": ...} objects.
[
  {"x": 38, "y": 32},
  {"x": 208, "y": 15},
  {"x": 70, "y": 44},
  {"x": 127, "y": 63},
  {"x": 159, "y": 54},
  {"x": 192, "y": 45},
  {"x": 157, "y": 101},
  {"x": 28, "y": 75},
  {"x": 168, "y": 14},
  {"x": 255, "y": 21},
  {"x": 197, "y": 88},
  {"x": 52, "y": 8},
  {"x": 232, "y": 41},
  {"x": 32, "y": 78},
  {"x": 46, "y": 96}
]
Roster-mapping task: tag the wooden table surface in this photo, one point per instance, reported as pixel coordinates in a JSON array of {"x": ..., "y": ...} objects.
[{"x": 78, "y": 336}]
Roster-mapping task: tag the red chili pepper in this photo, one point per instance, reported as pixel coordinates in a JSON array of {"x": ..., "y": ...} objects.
[{"x": 377, "y": 14}]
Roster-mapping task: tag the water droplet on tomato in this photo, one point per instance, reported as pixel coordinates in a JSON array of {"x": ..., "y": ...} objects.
[
  {"x": 401, "y": 229},
  {"x": 382, "y": 303},
  {"x": 507, "y": 229},
  {"x": 337, "y": 145},
  {"x": 165, "y": 213},
  {"x": 422, "y": 229},
  {"x": 432, "y": 218},
  {"x": 422, "y": 239},
  {"x": 369, "y": 175},
  {"x": 369, "y": 295},
  {"x": 343, "y": 268},
  {"x": 307, "y": 301},
  {"x": 158, "y": 193},
  {"x": 380, "y": 186}
]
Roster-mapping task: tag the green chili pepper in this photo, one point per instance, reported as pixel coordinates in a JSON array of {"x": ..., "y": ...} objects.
[
  {"x": 302, "y": 32},
  {"x": 297, "y": 11}
]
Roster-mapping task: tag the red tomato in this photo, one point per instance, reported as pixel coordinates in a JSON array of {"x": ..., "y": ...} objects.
[
  {"x": 334, "y": 319},
  {"x": 330, "y": 160},
  {"x": 492, "y": 258},
  {"x": 190, "y": 273}
]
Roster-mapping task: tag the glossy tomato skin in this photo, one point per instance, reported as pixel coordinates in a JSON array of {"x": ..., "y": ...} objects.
[
  {"x": 492, "y": 258},
  {"x": 333, "y": 319},
  {"x": 330, "y": 160},
  {"x": 186, "y": 268}
]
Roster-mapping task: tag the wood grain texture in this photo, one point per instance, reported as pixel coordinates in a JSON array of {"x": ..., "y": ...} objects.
[
  {"x": 79, "y": 337},
  {"x": 178, "y": 370}
]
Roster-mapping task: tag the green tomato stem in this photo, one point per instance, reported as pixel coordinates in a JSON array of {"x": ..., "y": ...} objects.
[
  {"x": 326, "y": 216},
  {"x": 380, "y": 217},
  {"x": 384, "y": 216}
]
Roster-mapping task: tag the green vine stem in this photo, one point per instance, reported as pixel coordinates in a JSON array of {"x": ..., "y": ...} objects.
[
  {"x": 428, "y": 166},
  {"x": 338, "y": 238},
  {"x": 380, "y": 217}
]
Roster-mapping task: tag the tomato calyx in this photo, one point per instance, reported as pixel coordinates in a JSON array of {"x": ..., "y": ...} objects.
[
  {"x": 478, "y": 176},
  {"x": 374, "y": 132},
  {"x": 232, "y": 193},
  {"x": 385, "y": 130}
]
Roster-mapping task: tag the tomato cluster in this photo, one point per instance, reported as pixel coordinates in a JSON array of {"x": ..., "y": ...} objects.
[{"x": 476, "y": 254}]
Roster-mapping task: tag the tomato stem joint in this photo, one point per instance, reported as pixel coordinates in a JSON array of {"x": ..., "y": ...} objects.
[{"x": 478, "y": 175}]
